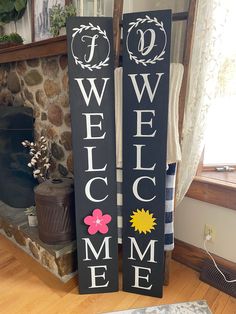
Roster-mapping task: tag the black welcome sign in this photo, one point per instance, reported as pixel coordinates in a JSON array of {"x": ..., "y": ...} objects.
[
  {"x": 146, "y": 53},
  {"x": 90, "y": 61}
]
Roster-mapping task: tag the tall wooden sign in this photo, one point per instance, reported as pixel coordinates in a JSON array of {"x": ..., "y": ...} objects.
[
  {"x": 146, "y": 51},
  {"x": 90, "y": 61}
]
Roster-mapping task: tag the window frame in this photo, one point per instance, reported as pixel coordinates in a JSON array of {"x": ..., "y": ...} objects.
[{"x": 218, "y": 191}]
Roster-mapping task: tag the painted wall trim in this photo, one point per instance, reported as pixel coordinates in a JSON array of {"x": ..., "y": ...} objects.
[
  {"x": 213, "y": 191},
  {"x": 193, "y": 256}
]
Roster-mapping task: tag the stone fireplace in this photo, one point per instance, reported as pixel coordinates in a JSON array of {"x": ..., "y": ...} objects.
[{"x": 41, "y": 85}]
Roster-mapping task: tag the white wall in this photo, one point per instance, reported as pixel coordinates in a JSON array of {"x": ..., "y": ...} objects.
[{"x": 191, "y": 216}]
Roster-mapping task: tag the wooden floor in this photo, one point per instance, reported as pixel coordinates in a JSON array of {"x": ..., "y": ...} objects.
[{"x": 25, "y": 287}]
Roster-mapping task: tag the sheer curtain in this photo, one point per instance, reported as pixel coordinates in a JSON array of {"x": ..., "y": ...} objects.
[{"x": 210, "y": 25}]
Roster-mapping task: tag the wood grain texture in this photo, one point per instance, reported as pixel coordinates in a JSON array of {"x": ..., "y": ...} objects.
[
  {"x": 168, "y": 255},
  {"x": 117, "y": 18},
  {"x": 224, "y": 177},
  {"x": 213, "y": 191},
  {"x": 44, "y": 48},
  {"x": 194, "y": 257},
  {"x": 230, "y": 306},
  {"x": 26, "y": 287}
]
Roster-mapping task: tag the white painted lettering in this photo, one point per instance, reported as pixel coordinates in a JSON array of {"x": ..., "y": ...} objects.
[
  {"x": 90, "y": 160},
  {"x": 150, "y": 247},
  {"x": 89, "y": 126},
  {"x": 92, "y": 46},
  {"x": 139, "y": 159},
  {"x": 135, "y": 188},
  {"x": 146, "y": 85},
  {"x": 94, "y": 276},
  {"x": 89, "y": 245},
  {"x": 141, "y": 45},
  {"x": 88, "y": 189},
  {"x": 140, "y": 122},
  {"x": 93, "y": 89},
  {"x": 137, "y": 277}
]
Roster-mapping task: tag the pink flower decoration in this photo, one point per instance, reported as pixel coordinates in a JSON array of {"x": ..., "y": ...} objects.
[{"x": 97, "y": 222}]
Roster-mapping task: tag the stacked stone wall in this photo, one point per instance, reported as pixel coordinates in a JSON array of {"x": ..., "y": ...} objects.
[{"x": 42, "y": 84}]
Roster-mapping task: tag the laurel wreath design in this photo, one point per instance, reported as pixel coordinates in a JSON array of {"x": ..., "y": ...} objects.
[
  {"x": 88, "y": 66},
  {"x": 136, "y": 24}
]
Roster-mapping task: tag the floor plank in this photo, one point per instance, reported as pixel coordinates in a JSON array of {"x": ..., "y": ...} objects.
[
  {"x": 220, "y": 303},
  {"x": 26, "y": 287},
  {"x": 211, "y": 295},
  {"x": 230, "y": 306}
]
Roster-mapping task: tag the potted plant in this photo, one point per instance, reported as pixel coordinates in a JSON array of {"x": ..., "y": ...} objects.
[
  {"x": 32, "y": 217},
  {"x": 12, "y": 39},
  {"x": 12, "y": 10},
  {"x": 58, "y": 16}
]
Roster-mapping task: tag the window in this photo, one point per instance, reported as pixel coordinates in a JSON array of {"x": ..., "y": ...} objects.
[
  {"x": 216, "y": 177},
  {"x": 220, "y": 144}
]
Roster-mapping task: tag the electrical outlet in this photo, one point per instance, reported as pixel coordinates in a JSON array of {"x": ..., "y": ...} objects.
[{"x": 210, "y": 230}]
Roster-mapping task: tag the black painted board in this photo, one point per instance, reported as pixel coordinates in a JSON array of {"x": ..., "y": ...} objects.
[
  {"x": 91, "y": 88},
  {"x": 146, "y": 54}
]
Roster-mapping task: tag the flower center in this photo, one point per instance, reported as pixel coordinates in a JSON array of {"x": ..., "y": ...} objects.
[{"x": 98, "y": 221}]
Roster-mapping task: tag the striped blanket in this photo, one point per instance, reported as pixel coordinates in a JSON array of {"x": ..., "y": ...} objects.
[{"x": 169, "y": 210}]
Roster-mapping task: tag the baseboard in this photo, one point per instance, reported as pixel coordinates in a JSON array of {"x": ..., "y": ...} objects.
[{"x": 194, "y": 257}]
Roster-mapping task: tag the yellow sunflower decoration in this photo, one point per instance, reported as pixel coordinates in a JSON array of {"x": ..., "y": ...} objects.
[{"x": 142, "y": 221}]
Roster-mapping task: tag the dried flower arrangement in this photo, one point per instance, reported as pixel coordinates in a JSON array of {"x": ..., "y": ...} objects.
[{"x": 40, "y": 160}]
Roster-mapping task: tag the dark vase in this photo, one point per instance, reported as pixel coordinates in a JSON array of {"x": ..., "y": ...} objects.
[{"x": 55, "y": 208}]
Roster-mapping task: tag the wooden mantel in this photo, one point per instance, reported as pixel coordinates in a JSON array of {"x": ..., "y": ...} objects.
[{"x": 44, "y": 48}]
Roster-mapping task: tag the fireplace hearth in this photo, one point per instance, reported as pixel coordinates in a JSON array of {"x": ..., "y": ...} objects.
[
  {"x": 59, "y": 259},
  {"x": 39, "y": 85}
]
